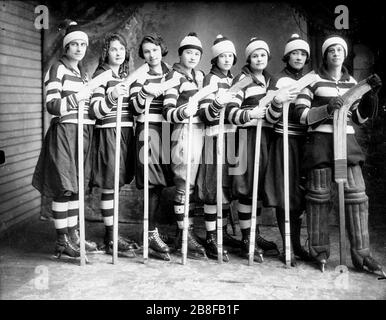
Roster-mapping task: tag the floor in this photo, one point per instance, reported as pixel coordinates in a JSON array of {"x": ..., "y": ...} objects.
[{"x": 28, "y": 271}]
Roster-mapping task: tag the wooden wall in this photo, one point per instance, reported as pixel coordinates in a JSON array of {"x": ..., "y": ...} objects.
[{"x": 21, "y": 125}]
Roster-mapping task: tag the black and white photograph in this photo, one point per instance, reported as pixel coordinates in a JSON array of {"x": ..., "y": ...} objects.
[{"x": 192, "y": 155}]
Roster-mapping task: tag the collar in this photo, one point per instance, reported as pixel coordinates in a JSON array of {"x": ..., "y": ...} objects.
[
  {"x": 165, "y": 70},
  {"x": 65, "y": 61},
  {"x": 177, "y": 67},
  {"x": 216, "y": 71},
  {"x": 292, "y": 72},
  {"x": 323, "y": 73},
  {"x": 246, "y": 70}
]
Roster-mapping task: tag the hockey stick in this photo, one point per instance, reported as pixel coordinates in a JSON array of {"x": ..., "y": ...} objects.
[
  {"x": 220, "y": 148},
  {"x": 146, "y": 182},
  {"x": 340, "y": 160},
  {"x": 83, "y": 258},
  {"x": 116, "y": 179},
  {"x": 287, "y": 231},
  {"x": 163, "y": 86},
  {"x": 91, "y": 85},
  {"x": 195, "y": 99},
  {"x": 299, "y": 85},
  {"x": 128, "y": 81}
]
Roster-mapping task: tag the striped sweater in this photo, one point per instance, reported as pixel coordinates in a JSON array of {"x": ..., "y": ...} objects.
[
  {"x": 237, "y": 111},
  {"x": 61, "y": 82},
  {"x": 138, "y": 96},
  {"x": 275, "y": 113},
  {"x": 209, "y": 111},
  {"x": 177, "y": 97},
  {"x": 104, "y": 106},
  {"x": 319, "y": 94}
]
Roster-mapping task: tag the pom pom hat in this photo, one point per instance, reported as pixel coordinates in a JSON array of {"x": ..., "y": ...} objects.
[
  {"x": 73, "y": 33},
  {"x": 255, "y": 44},
  {"x": 221, "y": 45},
  {"x": 296, "y": 43},
  {"x": 332, "y": 41},
  {"x": 190, "y": 42}
]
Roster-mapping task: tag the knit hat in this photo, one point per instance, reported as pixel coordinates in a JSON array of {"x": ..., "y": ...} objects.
[
  {"x": 74, "y": 32},
  {"x": 334, "y": 40},
  {"x": 254, "y": 44},
  {"x": 296, "y": 43},
  {"x": 222, "y": 44},
  {"x": 190, "y": 42}
]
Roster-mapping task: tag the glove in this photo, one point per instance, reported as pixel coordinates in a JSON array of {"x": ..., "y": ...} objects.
[
  {"x": 190, "y": 109},
  {"x": 84, "y": 94},
  {"x": 257, "y": 112},
  {"x": 375, "y": 83},
  {"x": 119, "y": 90},
  {"x": 334, "y": 104},
  {"x": 223, "y": 98}
]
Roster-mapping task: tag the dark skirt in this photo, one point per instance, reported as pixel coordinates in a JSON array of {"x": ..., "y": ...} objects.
[
  {"x": 160, "y": 173},
  {"x": 207, "y": 175},
  {"x": 274, "y": 179},
  {"x": 56, "y": 172},
  {"x": 319, "y": 151},
  {"x": 245, "y": 140},
  {"x": 104, "y": 157}
]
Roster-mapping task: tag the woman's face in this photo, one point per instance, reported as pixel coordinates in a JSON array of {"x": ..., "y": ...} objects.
[
  {"x": 297, "y": 59},
  {"x": 117, "y": 53},
  {"x": 258, "y": 60},
  {"x": 76, "y": 50},
  {"x": 152, "y": 54},
  {"x": 335, "y": 55},
  {"x": 225, "y": 61},
  {"x": 190, "y": 58}
]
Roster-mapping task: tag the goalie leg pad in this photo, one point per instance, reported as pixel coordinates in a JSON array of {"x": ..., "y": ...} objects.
[
  {"x": 356, "y": 204},
  {"x": 318, "y": 203}
]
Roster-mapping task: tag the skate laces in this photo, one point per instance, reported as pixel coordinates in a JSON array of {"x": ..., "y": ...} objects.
[
  {"x": 69, "y": 243},
  {"x": 155, "y": 236}
]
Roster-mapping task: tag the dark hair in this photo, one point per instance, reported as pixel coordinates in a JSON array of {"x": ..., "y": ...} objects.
[
  {"x": 285, "y": 59},
  {"x": 124, "y": 67},
  {"x": 155, "y": 39}
]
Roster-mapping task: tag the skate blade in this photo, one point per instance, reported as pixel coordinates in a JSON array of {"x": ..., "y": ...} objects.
[
  {"x": 193, "y": 256},
  {"x": 272, "y": 253},
  {"x": 160, "y": 256},
  {"x": 124, "y": 254}
]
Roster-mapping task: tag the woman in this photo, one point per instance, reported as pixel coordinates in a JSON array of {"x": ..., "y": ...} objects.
[
  {"x": 56, "y": 173},
  {"x": 296, "y": 56},
  {"x": 152, "y": 49},
  {"x": 241, "y": 111},
  {"x": 223, "y": 58},
  {"x": 315, "y": 107},
  {"x": 115, "y": 56},
  {"x": 176, "y": 110}
]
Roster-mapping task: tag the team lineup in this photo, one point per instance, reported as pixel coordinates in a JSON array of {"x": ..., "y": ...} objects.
[{"x": 258, "y": 139}]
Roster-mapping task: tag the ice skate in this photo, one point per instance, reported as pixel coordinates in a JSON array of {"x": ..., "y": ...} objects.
[{"x": 212, "y": 249}]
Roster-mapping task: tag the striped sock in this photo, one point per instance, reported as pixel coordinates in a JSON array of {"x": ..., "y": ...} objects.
[
  {"x": 245, "y": 212},
  {"x": 210, "y": 216},
  {"x": 179, "y": 212},
  {"x": 107, "y": 207},
  {"x": 59, "y": 213},
  {"x": 73, "y": 212},
  {"x": 107, "y": 211}
]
